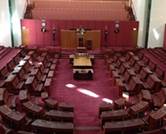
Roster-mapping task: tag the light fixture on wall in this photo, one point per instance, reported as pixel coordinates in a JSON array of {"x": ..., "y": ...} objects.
[
  {"x": 117, "y": 27},
  {"x": 43, "y": 25},
  {"x": 106, "y": 32}
]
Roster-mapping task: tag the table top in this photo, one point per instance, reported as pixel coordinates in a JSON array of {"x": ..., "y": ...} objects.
[
  {"x": 159, "y": 114},
  {"x": 51, "y": 102},
  {"x": 82, "y": 61},
  {"x": 139, "y": 107},
  {"x": 120, "y": 102},
  {"x": 33, "y": 107},
  {"x": 12, "y": 115}
]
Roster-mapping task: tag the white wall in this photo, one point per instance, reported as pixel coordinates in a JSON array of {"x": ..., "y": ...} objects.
[
  {"x": 140, "y": 9},
  {"x": 157, "y": 23},
  {"x": 20, "y": 7},
  {"x": 5, "y": 38},
  {"x": 5, "y": 32}
]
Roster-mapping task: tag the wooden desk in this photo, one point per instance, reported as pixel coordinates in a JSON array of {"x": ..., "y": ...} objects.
[
  {"x": 142, "y": 106},
  {"x": 24, "y": 132},
  {"x": 59, "y": 115},
  {"x": 105, "y": 107},
  {"x": 120, "y": 103},
  {"x": 155, "y": 119},
  {"x": 153, "y": 82},
  {"x": 12, "y": 83},
  {"x": 47, "y": 82},
  {"x": 32, "y": 108},
  {"x": 44, "y": 127},
  {"x": 31, "y": 83},
  {"x": 51, "y": 103},
  {"x": 123, "y": 125},
  {"x": 23, "y": 95},
  {"x": 113, "y": 115},
  {"x": 12, "y": 116},
  {"x": 146, "y": 95},
  {"x": 66, "y": 107}
]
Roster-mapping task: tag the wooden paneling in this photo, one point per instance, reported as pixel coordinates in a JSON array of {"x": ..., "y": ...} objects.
[
  {"x": 127, "y": 37},
  {"x": 95, "y": 37},
  {"x": 69, "y": 38}
]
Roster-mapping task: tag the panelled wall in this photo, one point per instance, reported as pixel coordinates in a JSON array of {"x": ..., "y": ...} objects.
[{"x": 126, "y": 37}]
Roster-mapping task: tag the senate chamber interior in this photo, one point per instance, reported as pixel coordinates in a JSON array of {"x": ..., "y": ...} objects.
[{"x": 82, "y": 67}]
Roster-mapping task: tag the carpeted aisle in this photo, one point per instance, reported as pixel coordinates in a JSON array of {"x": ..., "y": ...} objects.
[{"x": 85, "y": 95}]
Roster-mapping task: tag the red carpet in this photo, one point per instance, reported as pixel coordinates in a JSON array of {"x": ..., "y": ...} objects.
[{"x": 85, "y": 106}]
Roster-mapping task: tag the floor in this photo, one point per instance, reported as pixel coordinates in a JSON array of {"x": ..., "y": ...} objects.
[{"x": 85, "y": 95}]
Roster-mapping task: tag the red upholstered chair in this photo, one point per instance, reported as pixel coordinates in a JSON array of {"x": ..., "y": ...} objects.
[
  {"x": 13, "y": 84},
  {"x": 129, "y": 56},
  {"x": 128, "y": 75},
  {"x": 153, "y": 83},
  {"x": 138, "y": 66},
  {"x": 145, "y": 72},
  {"x": 2, "y": 129},
  {"x": 146, "y": 95},
  {"x": 31, "y": 83},
  {"x": 4, "y": 72},
  {"x": 11, "y": 65},
  {"x": 122, "y": 70},
  {"x": 152, "y": 66},
  {"x": 145, "y": 60},
  {"x": 120, "y": 103},
  {"x": 159, "y": 72},
  {"x": 134, "y": 86},
  {"x": 132, "y": 62},
  {"x": 159, "y": 98}
]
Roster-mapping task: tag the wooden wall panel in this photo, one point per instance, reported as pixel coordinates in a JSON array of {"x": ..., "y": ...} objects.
[
  {"x": 95, "y": 37},
  {"x": 68, "y": 39}
]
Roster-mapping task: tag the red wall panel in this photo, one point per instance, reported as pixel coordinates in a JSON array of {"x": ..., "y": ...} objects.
[{"x": 126, "y": 37}]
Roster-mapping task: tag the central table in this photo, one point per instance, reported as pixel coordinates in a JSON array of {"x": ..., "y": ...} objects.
[
  {"x": 82, "y": 61},
  {"x": 82, "y": 67}
]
